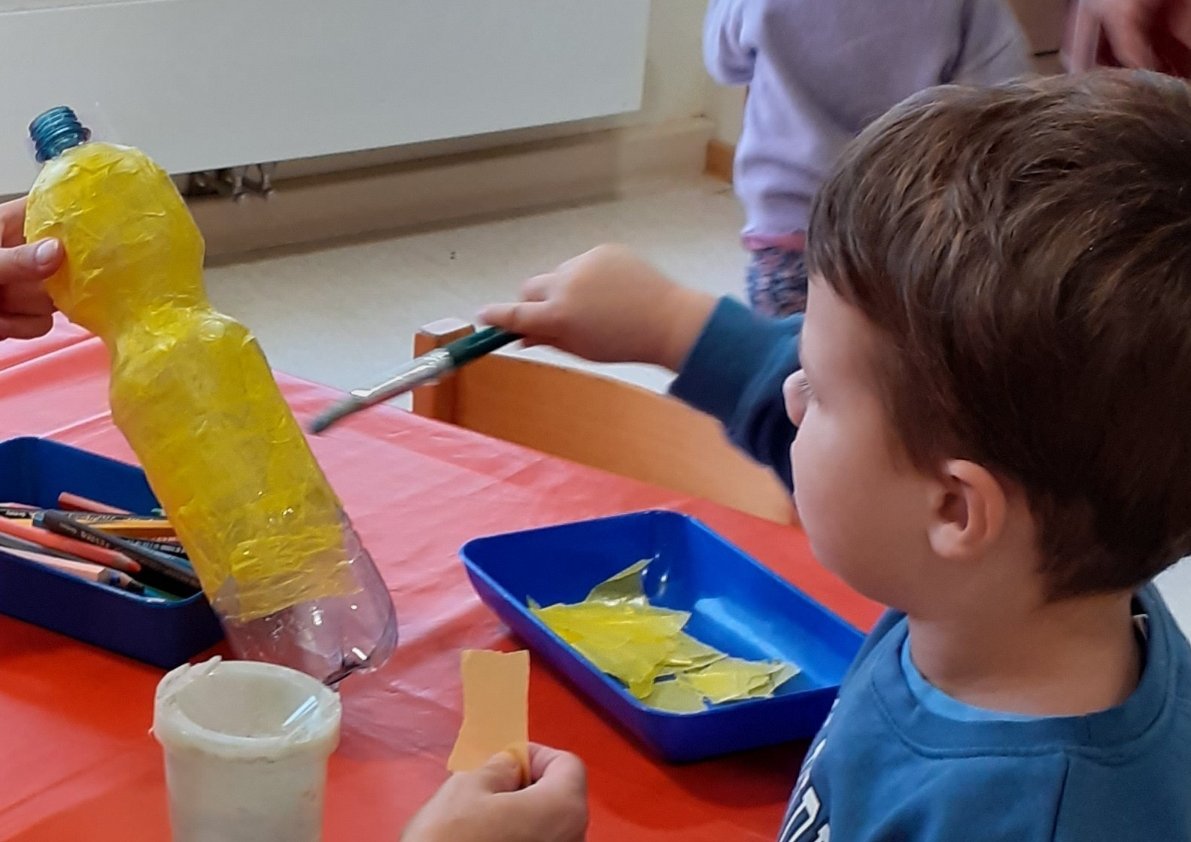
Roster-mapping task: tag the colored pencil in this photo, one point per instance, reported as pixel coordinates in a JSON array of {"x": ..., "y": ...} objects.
[
  {"x": 157, "y": 569},
  {"x": 83, "y": 570},
  {"x": 77, "y": 503},
  {"x": 126, "y": 526},
  {"x": 88, "y": 552}
]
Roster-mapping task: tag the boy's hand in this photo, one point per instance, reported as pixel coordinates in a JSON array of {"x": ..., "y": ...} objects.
[
  {"x": 25, "y": 307},
  {"x": 609, "y": 306},
  {"x": 489, "y": 805}
]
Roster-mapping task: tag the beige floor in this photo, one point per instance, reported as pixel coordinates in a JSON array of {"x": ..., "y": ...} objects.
[{"x": 345, "y": 315}]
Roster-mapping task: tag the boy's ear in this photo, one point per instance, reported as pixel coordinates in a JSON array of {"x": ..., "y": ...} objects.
[{"x": 968, "y": 512}]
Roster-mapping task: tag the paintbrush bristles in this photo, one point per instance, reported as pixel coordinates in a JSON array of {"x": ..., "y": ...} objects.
[{"x": 334, "y": 414}]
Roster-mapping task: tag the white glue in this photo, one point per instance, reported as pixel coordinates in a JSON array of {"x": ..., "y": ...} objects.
[{"x": 246, "y": 747}]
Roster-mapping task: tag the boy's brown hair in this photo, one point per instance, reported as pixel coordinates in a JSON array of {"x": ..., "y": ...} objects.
[{"x": 1025, "y": 253}]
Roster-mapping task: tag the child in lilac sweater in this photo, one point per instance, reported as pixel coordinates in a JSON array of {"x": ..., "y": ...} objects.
[{"x": 818, "y": 72}]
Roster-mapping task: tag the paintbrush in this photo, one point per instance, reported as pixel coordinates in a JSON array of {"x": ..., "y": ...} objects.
[{"x": 418, "y": 372}]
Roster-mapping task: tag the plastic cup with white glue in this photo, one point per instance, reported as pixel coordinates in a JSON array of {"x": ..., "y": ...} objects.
[{"x": 246, "y": 748}]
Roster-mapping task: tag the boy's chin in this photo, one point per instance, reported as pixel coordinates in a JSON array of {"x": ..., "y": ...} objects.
[{"x": 876, "y": 585}]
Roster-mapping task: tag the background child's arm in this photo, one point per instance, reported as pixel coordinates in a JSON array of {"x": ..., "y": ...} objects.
[
  {"x": 993, "y": 49},
  {"x": 729, "y": 58},
  {"x": 1154, "y": 34},
  {"x": 25, "y": 307}
]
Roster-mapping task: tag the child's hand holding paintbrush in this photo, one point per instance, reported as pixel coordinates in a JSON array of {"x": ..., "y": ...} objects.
[{"x": 606, "y": 305}]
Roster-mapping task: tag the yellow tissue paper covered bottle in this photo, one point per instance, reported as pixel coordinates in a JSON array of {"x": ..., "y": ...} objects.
[{"x": 193, "y": 394}]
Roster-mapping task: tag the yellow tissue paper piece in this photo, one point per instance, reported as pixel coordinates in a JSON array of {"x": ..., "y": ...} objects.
[
  {"x": 190, "y": 390},
  {"x": 645, "y": 648},
  {"x": 621, "y": 639},
  {"x": 495, "y": 709},
  {"x": 692, "y": 654},
  {"x": 676, "y": 697},
  {"x": 626, "y": 586},
  {"x": 731, "y": 679}
]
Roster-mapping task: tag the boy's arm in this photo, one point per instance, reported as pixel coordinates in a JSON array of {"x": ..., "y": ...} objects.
[
  {"x": 728, "y": 57},
  {"x": 993, "y": 48},
  {"x": 734, "y": 372},
  {"x": 610, "y": 306}
]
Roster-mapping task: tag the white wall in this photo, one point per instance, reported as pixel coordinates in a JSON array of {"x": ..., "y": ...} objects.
[
  {"x": 676, "y": 88},
  {"x": 725, "y": 108},
  {"x": 204, "y": 84},
  {"x": 437, "y": 183},
  {"x": 675, "y": 82}
]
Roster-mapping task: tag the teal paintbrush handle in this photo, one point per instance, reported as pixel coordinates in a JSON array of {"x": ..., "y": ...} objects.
[{"x": 478, "y": 344}]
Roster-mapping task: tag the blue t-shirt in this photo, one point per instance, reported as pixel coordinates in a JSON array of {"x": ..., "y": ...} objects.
[{"x": 884, "y": 767}]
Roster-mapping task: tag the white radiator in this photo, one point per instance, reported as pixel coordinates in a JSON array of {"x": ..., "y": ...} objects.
[{"x": 205, "y": 84}]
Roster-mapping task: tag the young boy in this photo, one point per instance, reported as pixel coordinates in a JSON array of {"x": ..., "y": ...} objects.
[{"x": 994, "y": 438}]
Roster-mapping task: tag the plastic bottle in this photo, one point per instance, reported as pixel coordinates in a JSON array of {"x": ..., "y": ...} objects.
[{"x": 193, "y": 394}]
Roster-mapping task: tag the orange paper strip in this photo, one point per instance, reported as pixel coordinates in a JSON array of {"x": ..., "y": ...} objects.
[{"x": 495, "y": 709}]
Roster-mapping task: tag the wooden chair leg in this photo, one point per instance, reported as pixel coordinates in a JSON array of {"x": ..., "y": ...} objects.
[{"x": 438, "y": 399}]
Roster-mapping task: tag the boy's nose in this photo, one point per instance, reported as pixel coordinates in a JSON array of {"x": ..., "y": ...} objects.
[{"x": 794, "y": 395}]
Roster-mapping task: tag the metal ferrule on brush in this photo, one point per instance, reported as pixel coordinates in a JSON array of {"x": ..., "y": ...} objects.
[{"x": 425, "y": 369}]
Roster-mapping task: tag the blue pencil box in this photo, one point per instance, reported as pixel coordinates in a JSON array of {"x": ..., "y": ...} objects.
[{"x": 164, "y": 633}]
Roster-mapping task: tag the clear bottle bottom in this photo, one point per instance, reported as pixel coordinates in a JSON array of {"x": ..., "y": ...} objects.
[{"x": 328, "y": 638}]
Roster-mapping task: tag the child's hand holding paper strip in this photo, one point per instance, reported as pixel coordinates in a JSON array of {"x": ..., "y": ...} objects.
[
  {"x": 486, "y": 801},
  {"x": 495, "y": 710}
]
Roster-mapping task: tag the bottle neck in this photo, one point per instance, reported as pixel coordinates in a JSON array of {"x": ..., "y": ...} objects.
[{"x": 55, "y": 131}]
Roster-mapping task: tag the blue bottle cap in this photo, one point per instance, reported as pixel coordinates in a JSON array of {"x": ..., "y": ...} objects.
[{"x": 55, "y": 131}]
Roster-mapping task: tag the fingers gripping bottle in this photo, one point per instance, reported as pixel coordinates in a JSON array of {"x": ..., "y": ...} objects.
[{"x": 192, "y": 392}]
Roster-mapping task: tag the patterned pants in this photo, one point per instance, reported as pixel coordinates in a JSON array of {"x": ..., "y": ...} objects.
[{"x": 776, "y": 282}]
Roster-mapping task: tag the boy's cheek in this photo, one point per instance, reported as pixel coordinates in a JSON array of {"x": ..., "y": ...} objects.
[{"x": 794, "y": 448}]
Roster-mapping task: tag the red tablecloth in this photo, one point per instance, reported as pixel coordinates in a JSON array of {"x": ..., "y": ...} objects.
[{"x": 76, "y": 758}]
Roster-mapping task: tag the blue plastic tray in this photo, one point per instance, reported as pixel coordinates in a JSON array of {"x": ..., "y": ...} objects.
[
  {"x": 736, "y": 605},
  {"x": 158, "y": 632}
]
